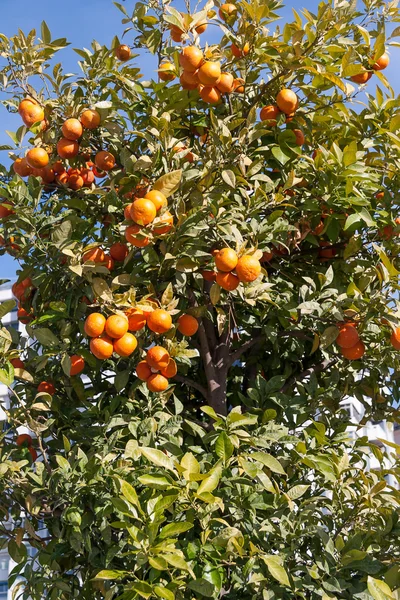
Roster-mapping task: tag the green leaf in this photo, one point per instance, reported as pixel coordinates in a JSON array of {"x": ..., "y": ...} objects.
[
  {"x": 129, "y": 493},
  {"x": 6, "y": 307},
  {"x": 7, "y": 374},
  {"x": 211, "y": 482},
  {"x": 142, "y": 588},
  {"x": 45, "y": 31},
  {"x": 45, "y": 336},
  {"x": 158, "y": 458},
  {"x": 163, "y": 592},
  {"x": 269, "y": 461},
  {"x": 276, "y": 568},
  {"x": 168, "y": 183},
  {"x": 108, "y": 574},
  {"x": 178, "y": 562},
  {"x": 223, "y": 446},
  {"x": 297, "y": 491},
  {"x": 174, "y": 529},
  {"x": 379, "y": 590},
  {"x": 154, "y": 481},
  {"x": 229, "y": 178},
  {"x": 202, "y": 587}
]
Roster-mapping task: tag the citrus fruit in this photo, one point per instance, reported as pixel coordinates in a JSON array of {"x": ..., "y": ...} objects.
[
  {"x": 94, "y": 325},
  {"x": 143, "y": 370},
  {"x": 46, "y": 386},
  {"x": 348, "y": 335},
  {"x": 67, "y": 148},
  {"x": 157, "y": 357},
  {"x": 209, "y": 73},
  {"x": 37, "y": 158},
  {"x": 355, "y": 352},
  {"x": 187, "y": 325},
  {"x": 72, "y": 129},
  {"x": 157, "y": 383},
  {"x": 123, "y": 52},
  {"x": 105, "y": 161},
  {"x": 248, "y": 268},
  {"x": 125, "y": 345},
  {"x": 95, "y": 255},
  {"x": 135, "y": 237},
  {"x": 171, "y": 370},
  {"x": 159, "y": 321},
  {"x": 119, "y": 251},
  {"x": 136, "y": 319},
  {"x": 90, "y": 119},
  {"x": 226, "y": 259},
  {"x": 77, "y": 364},
  {"x": 286, "y": 101},
  {"x": 116, "y": 326},
  {"x": 143, "y": 211},
  {"x": 191, "y": 58},
  {"x": 227, "y": 281},
  {"x": 157, "y": 198},
  {"x": 102, "y": 346},
  {"x": 225, "y": 83}
]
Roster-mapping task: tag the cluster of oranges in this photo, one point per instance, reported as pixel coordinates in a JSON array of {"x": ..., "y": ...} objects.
[
  {"x": 366, "y": 75},
  {"x": 286, "y": 103},
  {"x": 109, "y": 335},
  {"x": 232, "y": 270},
  {"x": 349, "y": 341},
  {"x": 156, "y": 369},
  {"x": 144, "y": 212},
  {"x": 37, "y": 160}
]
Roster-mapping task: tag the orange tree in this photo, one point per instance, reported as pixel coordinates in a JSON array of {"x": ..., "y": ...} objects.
[{"x": 208, "y": 267}]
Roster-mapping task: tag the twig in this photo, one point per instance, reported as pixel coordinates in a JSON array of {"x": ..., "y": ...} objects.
[
  {"x": 193, "y": 384},
  {"x": 243, "y": 348}
]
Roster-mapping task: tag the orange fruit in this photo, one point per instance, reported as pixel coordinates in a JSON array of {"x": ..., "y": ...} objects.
[
  {"x": 23, "y": 439},
  {"x": 135, "y": 237},
  {"x": 24, "y": 316},
  {"x": 47, "y": 174},
  {"x": 77, "y": 365},
  {"x": 5, "y": 210},
  {"x": 211, "y": 95},
  {"x": 37, "y": 158},
  {"x": 355, "y": 352},
  {"x": 348, "y": 335},
  {"x": 165, "y": 223},
  {"x": 123, "y": 52},
  {"x": 159, "y": 321},
  {"x": 299, "y": 135},
  {"x": 270, "y": 113},
  {"x": 22, "y": 168},
  {"x": 248, "y": 268},
  {"x": 104, "y": 160},
  {"x": 362, "y": 77},
  {"x": 200, "y": 28},
  {"x": 209, "y": 73},
  {"x": 225, "y": 83},
  {"x": 31, "y": 112},
  {"x": 127, "y": 212},
  {"x": 191, "y": 58},
  {"x": 116, "y": 326},
  {"x": 46, "y": 386},
  {"x": 227, "y": 281},
  {"x": 225, "y": 259},
  {"x": 188, "y": 80},
  {"x": 157, "y": 198},
  {"x": 67, "y": 148},
  {"x": 286, "y": 101},
  {"x": 87, "y": 176},
  {"x": 94, "y": 325},
  {"x": 171, "y": 370},
  {"x": 136, "y": 319},
  {"x": 143, "y": 211},
  {"x": 326, "y": 250},
  {"x": 102, "y": 346},
  {"x": 227, "y": 12},
  {"x": 381, "y": 63},
  {"x": 119, "y": 251},
  {"x": 95, "y": 255},
  {"x": 379, "y": 195},
  {"x": 240, "y": 52},
  {"x": 209, "y": 275},
  {"x": 75, "y": 181},
  {"x": 143, "y": 370},
  {"x": 109, "y": 262},
  {"x": 238, "y": 85},
  {"x": 166, "y": 71},
  {"x": 187, "y": 325},
  {"x": 90, "y": 119},
  {"x": 395, "y": 338},
  {"x": 33, "y": 453},
  {"x": 17, "y": 363},
  {"x": 157, "y": 383},
  {"x": 72, "y": 129},
  {"x": 157, "y": 357},
  {"x": 125, "y": 345},
  {"x": 176, "y": 33}
]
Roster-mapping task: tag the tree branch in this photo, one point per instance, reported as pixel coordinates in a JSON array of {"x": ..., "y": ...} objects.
[
  {"x": 323, "y": 366},
  {"x": 193, "y": 384},
  {"x": 243, "y": 348}
]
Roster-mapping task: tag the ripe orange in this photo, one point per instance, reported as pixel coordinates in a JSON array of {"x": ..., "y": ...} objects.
[
  {"x": 37, "y": 158},
  {"x": 33, "y": 453},
  {"x": 6, "y": 210},
  {"x": 157, "y": 383},
  {"x": 227, "y": 12},
  {"x": 171, "y": 370},
  {"x": 381, "y": 63},
  {"x": 209, "y": 73},
  {"x": 159, "y": 321},
  {"x": 104, "y": 160},
  {"x": 225, "y": 259},
  {"x": 270, "y": 113},
  {"x": 240, "y": 52},
  {"x": 17, "y": 363},
  {"x": 238, "y": 85},
  {"x": 22, "y": 168},
  {"x": 46, "y": 386},
  {"x": 143, "y": 211},
  {"x": 299, "y": 135},
  {"x": 355, "y": 352},
  {"x": 72, "y": 129},
  {"x": 209, "y": 275},
  {"x": 90, "y": 119},
  {"x": 95, "y": 255},
  {"x": 200, "y": 28},
  {"x": 395, "y": 338},
  {"x": 135, "y": 237},
  {"x": 109, "y": 262},
  {"x": 176, "y": 33},
  {"x": 119, "y": 251},
  {"x": 211, "y": 95},
  {"x": 143, "y": 370},
  {"x": 30, "y": 112},
  {"x": 379, "y": 195},
  {"x": 23, "y": 439},
  {"x": 77, "y": 365},
  {"x": 127, "y": 212},
  {"x": 75, "y": 181},
  {"x": 362, "y": 77},
  {"x": 248, "y": 268},
  {"x": 123, "y": 52},
  {"x": 47, "y": 174},
  {"x": 24, "y": 316},
  {"x": 227, "y": 281},
  {"x": 125, "y": 345},
  {"x": 286, "y": 101},
  {"x": 116, "y": 326},
  {"x": 102, "y": 346},
  {"x": 136, "y": 319},
  {"x": 225, "y": 83},
  {"x": 187, "y": 325},
  {"x": 191, "y": 58},
  {"x": 157, "y": 357},
  {"x": 67, "y": 148},
  {"x": 157, "y": 198},
  {"x": 326, "y": 250},
  {"x": 348, "y": 335},
  {"x": 94, "y": 325},
  {"x": 188, "y": 80},
  {"x": 166, "y": 71},
  {"x": 165, "y": 224},
  {"x": 87, "y": 176}
]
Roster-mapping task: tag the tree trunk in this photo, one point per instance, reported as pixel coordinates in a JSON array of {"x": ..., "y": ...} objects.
[
  {"x": 214, "y": 352},
  {"x": 217, "y": 392}
]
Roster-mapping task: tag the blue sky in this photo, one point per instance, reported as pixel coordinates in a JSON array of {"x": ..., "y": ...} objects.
[{"x": 80, "y": 21}]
